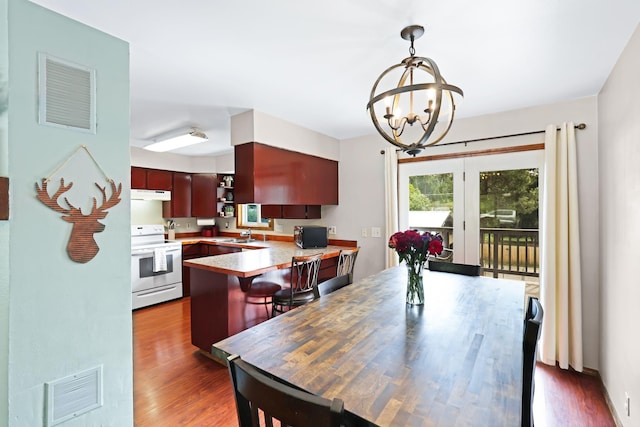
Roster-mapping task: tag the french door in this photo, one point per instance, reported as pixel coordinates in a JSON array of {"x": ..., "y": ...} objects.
[{"x": 485, "y": 207}]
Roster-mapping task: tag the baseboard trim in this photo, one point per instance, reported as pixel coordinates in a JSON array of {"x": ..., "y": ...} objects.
[
  {"x": 605, "y": 392},
  {"x": 607, "y": 399}
]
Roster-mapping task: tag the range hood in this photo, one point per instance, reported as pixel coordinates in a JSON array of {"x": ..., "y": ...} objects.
[{"x": 137, "y": 194}]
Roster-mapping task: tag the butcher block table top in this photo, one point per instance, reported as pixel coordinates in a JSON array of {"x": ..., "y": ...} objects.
[
  {"x": 258, "y": 257},
  {"x": 456, "y": 361}
]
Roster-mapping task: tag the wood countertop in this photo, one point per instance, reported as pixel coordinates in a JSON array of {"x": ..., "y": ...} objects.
[
  {"x": 457, "y": 360},
  {"x": 257, "y": 257}
]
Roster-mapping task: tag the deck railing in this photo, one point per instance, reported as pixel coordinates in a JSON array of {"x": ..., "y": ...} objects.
[
  {"x": 510, "y": 251},
  {"x": 506, "y": 251}
]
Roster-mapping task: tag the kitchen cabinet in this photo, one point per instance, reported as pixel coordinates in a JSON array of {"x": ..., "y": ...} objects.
[
  {"x": 199, "y": 250},
  {"x": 274, "y": 176},
  {"x": 180, "y": 204},
  {"x": 204, "y": 195},
  {"x": 138, "y": 178},
  {"x": 159, "y": 179},
  {"x": 189, "y": 251},
  {"x": 151, "y": 179},
  {"x": 226, "y": 196},
  {"x": 291, "y": 211}
]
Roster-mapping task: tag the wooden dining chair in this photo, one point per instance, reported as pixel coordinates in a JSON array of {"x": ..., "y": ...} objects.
[
  {"x": 346, "y": 262},
  {"x": 303, "y": 281},
  {"x": 333, "y": 284},
  {"x": 453, "y": 267},
  {"x": 259, "y": 397},
  {"x": 532, "y": 329}
]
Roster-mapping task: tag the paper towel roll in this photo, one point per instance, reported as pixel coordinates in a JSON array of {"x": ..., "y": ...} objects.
[{"x": 205, "y": 221}]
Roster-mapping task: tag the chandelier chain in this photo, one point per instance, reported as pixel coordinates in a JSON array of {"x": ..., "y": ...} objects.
[{"x": 412, "y": 50}]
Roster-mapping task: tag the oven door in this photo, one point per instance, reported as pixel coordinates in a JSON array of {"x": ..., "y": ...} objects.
[{"x": 142, "y": 275}]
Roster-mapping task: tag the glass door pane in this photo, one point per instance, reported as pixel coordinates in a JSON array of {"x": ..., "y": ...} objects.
[
  {"x": 431, "y": 206},
  {"x": 509, "y": 244},
  {"x": 431, "y": 198}
]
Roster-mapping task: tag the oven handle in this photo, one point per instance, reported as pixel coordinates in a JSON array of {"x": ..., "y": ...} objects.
[{"x": 142, "y": 253}]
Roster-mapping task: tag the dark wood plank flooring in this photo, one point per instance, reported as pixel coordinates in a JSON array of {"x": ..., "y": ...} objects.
[{"x": 176, "y": 385}]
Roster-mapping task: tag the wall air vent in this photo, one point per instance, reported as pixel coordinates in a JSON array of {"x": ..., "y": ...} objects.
[
  {"x": 72, "y": 396},
  {"x": 66, "y": 94}
]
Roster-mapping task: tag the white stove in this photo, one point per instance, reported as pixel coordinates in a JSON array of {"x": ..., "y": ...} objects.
[{"x": 156, "y": 266}]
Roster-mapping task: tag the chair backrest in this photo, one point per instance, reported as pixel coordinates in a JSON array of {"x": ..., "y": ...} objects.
[
  {"x": 446, "y": 255},
  {"x": 304, "y": 272},
  {"x": 333, "y": 284},
  {"x": 454, "y": 267},
  {"x": 346, "y": 262},
  {"x": 532, "y": 328},
  {"x": 261, "y": 397}
]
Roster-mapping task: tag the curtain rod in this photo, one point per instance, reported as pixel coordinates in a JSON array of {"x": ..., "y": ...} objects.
[{"x": 578, "y": 126}]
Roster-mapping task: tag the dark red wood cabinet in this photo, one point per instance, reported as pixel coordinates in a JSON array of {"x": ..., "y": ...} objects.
[
  {"x": 151, "y": 179},
  {"x": 291, "y": 211},
  {"x": 274, "y": 176},
  {"x": 159, "y": 179},
  {"x": 203, "y": 195},
  {"x": 180, "y": 204},
  {"x": 138, "y": 178}
]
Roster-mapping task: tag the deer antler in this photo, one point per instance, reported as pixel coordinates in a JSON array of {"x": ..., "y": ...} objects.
[
  {"x": 52, "y": 202},
  {"x": 113, "y": 200}
]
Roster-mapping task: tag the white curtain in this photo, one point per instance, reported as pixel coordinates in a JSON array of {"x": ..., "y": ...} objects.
[
  {"x": 560, "y": 284},
  {"x": 391, "y": 201}
]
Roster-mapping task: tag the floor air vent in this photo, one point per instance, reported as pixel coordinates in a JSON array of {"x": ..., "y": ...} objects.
[
  {"x": 74, "y": 395},
  {"x": 66, "y": 94}
]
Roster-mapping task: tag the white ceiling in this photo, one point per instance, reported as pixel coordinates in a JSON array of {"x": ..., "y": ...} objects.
[{"x": 198, "y": 62}]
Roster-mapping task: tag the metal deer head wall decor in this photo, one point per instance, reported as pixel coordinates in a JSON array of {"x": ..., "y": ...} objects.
[{"x": 82, "y": 246}]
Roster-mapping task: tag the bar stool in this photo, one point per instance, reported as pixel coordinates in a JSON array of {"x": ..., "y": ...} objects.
[
  {"x": 303, "y": 284},
  {"x": 261, "y": 293},
  {"x": 346, "y": 262}
]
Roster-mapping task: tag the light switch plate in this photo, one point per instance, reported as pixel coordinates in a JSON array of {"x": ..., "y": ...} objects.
[
  {"x": 365, "y": 232},
  {"x": 376, "y": 232}
]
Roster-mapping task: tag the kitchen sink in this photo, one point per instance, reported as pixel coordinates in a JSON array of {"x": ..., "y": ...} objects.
[{"x": 242, "y": 240}]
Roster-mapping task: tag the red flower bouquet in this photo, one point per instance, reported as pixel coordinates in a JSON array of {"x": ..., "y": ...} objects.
[{"x": 414, "y": 249}]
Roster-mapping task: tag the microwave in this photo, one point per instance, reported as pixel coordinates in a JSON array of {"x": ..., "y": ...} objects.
[{"x": 310, "y": 236}]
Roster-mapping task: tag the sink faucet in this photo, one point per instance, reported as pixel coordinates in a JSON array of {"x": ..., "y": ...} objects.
[{"x": 246, "y": 233}]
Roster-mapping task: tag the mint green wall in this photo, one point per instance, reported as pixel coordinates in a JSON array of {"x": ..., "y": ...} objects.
[
  {"x": 66, "y": 317},
  {"x": 4, "y": 225}
]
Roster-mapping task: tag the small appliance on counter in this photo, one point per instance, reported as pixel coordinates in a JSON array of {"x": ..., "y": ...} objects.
[{"x": 310, "y": 236}]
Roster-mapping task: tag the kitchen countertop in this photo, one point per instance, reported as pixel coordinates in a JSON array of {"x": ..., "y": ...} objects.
[{"x": 258, "y": 258}]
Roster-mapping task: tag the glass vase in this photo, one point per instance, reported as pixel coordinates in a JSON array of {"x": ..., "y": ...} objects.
[{"x": 415, "y": 287}]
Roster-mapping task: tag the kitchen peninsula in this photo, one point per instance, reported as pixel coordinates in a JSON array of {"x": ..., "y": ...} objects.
[{"x": 218, "y": 284}]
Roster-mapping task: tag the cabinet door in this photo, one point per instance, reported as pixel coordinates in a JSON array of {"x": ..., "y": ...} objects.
[
  {"x": 138, "y": 178},
  {"x": 159, "y": 179},
  {"x": 180, "y": 204},
  {"x": 203, "y": 195},
  {"x": 271, "y": 211},
  {"x": 301, "y": 211}
]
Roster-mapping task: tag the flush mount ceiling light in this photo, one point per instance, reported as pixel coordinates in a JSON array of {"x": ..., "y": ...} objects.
[
  {"x": 177, "y": 139},
  {"x": 415, "y": 83}
]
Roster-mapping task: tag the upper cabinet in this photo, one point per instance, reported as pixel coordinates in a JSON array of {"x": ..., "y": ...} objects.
[
  {"x": 180, "y": 204},
  {"x": 274, "y": 176},
  {"x": 203, "y": 195},
  {"x": 151, "y": 179}
]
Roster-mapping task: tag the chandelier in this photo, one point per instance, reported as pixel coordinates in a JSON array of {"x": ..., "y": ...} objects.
[{"x": 416, "y": 83}]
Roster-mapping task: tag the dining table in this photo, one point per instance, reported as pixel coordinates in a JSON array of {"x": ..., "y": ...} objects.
[{"x": 456, "y": 360}]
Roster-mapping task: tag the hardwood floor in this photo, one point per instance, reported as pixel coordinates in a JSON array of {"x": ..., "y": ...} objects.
[{"x": 176, "y": 385}]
